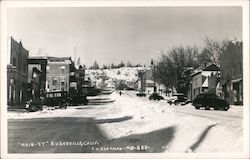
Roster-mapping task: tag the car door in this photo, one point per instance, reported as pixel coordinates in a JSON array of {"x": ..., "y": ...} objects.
[{"x": 207, "y": 100}]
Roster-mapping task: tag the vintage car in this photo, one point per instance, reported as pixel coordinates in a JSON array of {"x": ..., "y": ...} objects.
[
  {"x": 53, "y": 98},
  {"x": 178, "y": 98},
  {"x": 155, "y": 96},
  {"x": 208, "y": 100},
  {"x": 140, "y": 94}
]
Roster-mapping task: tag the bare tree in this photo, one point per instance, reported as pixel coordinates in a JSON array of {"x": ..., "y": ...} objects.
[
  {"x": 214, "y": 49},
  {"x": 164, "y": 72},
  {"x": 172, "y": 65}
]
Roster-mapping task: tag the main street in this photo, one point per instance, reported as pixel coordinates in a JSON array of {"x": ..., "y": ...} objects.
[{"x": 125, "y": 123}]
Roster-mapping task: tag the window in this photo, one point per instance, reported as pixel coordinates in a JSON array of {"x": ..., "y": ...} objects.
[
  {"x": 240, "y": 68},
  {"x": 14, "y": 61},
  {"x": 24, "y": 68},
  {"x": 54, "y": 81},
  {"x": 233, "y": 71},
  {"x": 49, "y": 95},
  {"x": 47, "y": 69},
  {"x": 63, "y": 70},
  {"x": 63, "y": 85},
  {"x": 58, "y": 95}
]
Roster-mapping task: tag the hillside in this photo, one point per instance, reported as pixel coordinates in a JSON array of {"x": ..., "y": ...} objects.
[{"x": 110, "y": 77}]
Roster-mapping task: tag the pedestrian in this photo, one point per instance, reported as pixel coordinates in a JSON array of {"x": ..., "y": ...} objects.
[{"x": 120, "y": 93}]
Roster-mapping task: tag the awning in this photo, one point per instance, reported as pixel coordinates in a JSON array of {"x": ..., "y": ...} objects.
[{"x": 236, "y": 80}]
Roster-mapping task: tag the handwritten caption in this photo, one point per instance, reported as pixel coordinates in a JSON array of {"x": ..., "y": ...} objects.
[{"x": 93, "y": 145}]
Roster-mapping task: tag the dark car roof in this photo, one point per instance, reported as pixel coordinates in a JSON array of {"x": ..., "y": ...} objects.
[{"x": 207, "y": 93}]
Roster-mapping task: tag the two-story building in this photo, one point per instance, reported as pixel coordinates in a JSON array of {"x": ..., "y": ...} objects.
[
  {"x": 58, "y": 73},
  {"x": 232, "y": 73},
  {"x": 17, "y": 70},
  {"x": 146, "y": 82},
  {"x": 204, "y": 80},
  {"x": 36, "y": 76}
]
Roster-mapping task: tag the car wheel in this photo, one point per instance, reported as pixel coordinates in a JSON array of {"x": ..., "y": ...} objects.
[
  {"x": 226, "y": 107},
  {"x": 197, "y": 107},
  {"x": 41, "y": 108},
  {"x": 85, "y": 102},
  {"x": 207, "y": 107},
  {"x": 176, "y": 102},
  {"x": 33, "y": 108},
  {"x": 64, "y": 105}
]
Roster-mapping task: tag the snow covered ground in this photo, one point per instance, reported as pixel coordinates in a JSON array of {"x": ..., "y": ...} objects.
[{"x": 155, "y": 123}]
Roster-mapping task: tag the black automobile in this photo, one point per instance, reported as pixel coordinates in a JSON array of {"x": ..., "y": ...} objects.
[
  {"x": 54, "y": 99},
  {"x": 155, "y": 96},
  {"x": 208, "y": 100},
  {"x": 141, "y": 94}
]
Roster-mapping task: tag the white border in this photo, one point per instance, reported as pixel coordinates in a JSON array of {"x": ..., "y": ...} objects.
[{"x": 9, "y": 4}]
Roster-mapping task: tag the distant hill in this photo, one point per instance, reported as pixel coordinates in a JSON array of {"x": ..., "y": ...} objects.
[{"x": 110, "y": 77}]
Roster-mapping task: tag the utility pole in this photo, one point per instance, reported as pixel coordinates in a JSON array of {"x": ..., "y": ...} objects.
[
  {"x": 74, "y": 54},
  {"x": 153, "y": 73}
]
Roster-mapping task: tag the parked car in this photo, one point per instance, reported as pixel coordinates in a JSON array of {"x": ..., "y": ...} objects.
[
  {"x": 208, "y": 100},
  {"x": 178, "y": 98},
  {"x": 54, "y": 99},
  {"x": 155, "y": 96},
  {"x": 35, "y": 104},
  {"x": 141, "y": 94},
  {"x": 77, "y": 99}
]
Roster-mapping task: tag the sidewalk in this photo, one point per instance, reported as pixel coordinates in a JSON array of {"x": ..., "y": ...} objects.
[{"x": 14, "y": 107}]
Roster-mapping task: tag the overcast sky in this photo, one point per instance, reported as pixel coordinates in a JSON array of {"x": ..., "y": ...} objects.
[{"x": 114, "y": 34}]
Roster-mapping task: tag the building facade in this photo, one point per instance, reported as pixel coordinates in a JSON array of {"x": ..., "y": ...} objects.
[
  {"x": 205, "y": 80},
  {"x": 17, "y": 73},
  {"x": 36, "y": 76},
  {"x": 147, "y": 84},
  {"x": 232, "y": 73},
  {"x": 58, "y": 73}
]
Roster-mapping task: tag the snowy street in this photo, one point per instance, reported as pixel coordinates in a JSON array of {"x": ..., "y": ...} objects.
[{"x": 125, "y": 123}]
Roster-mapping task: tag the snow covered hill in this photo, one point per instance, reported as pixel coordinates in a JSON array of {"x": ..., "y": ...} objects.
[{"x": 111, "y": 76}]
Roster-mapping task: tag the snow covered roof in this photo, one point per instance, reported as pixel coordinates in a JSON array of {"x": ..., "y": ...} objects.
[
  {"x": 211, "y": 67},
  {"x": 50, "y": 58}
]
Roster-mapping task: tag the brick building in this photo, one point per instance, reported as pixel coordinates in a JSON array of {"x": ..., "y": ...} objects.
[
  {"x": 17, "y": 72},
  {"x": 232, "y": 73},
  {"x": 58, "y": 73}
]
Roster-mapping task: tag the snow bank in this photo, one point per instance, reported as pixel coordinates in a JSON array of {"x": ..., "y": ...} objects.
[{"x": 192, "y": 130}]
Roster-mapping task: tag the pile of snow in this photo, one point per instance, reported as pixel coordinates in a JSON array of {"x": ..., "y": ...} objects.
[{"x": 134, "y": 117}]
